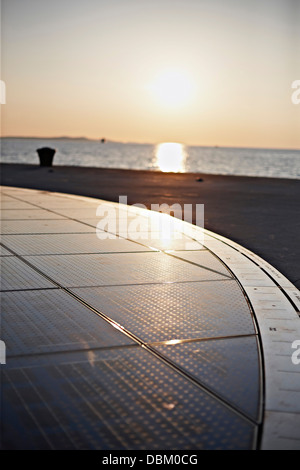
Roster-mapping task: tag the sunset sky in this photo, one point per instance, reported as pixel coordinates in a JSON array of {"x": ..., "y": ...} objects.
[{"x": 200, "y": 72}]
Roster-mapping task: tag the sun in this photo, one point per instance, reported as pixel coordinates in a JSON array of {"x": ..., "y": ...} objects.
[{"x": 172, "y": 88}]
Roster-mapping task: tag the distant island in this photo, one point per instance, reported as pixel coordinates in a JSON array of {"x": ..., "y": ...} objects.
[{"x": 48, "y": 138}]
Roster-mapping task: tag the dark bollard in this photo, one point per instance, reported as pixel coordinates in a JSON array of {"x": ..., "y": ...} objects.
[{"x": 46, "y": 155}]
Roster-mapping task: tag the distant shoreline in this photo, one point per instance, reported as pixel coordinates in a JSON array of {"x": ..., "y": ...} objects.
[
  {"x": 107, "y": 141},
  {"x": 262, "y": 214},
  {"x": 52, "y": 138}
]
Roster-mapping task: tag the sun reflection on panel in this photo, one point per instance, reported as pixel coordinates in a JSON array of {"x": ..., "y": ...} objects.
[{"x": 171, "y": 157}]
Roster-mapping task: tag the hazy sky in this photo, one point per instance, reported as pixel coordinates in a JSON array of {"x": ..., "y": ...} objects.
[{"x": 200, "y": 72}]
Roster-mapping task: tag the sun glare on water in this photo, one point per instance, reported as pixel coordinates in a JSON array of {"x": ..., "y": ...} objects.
[{"x": 170, "y": 157}]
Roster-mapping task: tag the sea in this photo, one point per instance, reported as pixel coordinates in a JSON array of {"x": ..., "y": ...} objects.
[{"x": 164, "y": 156}]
